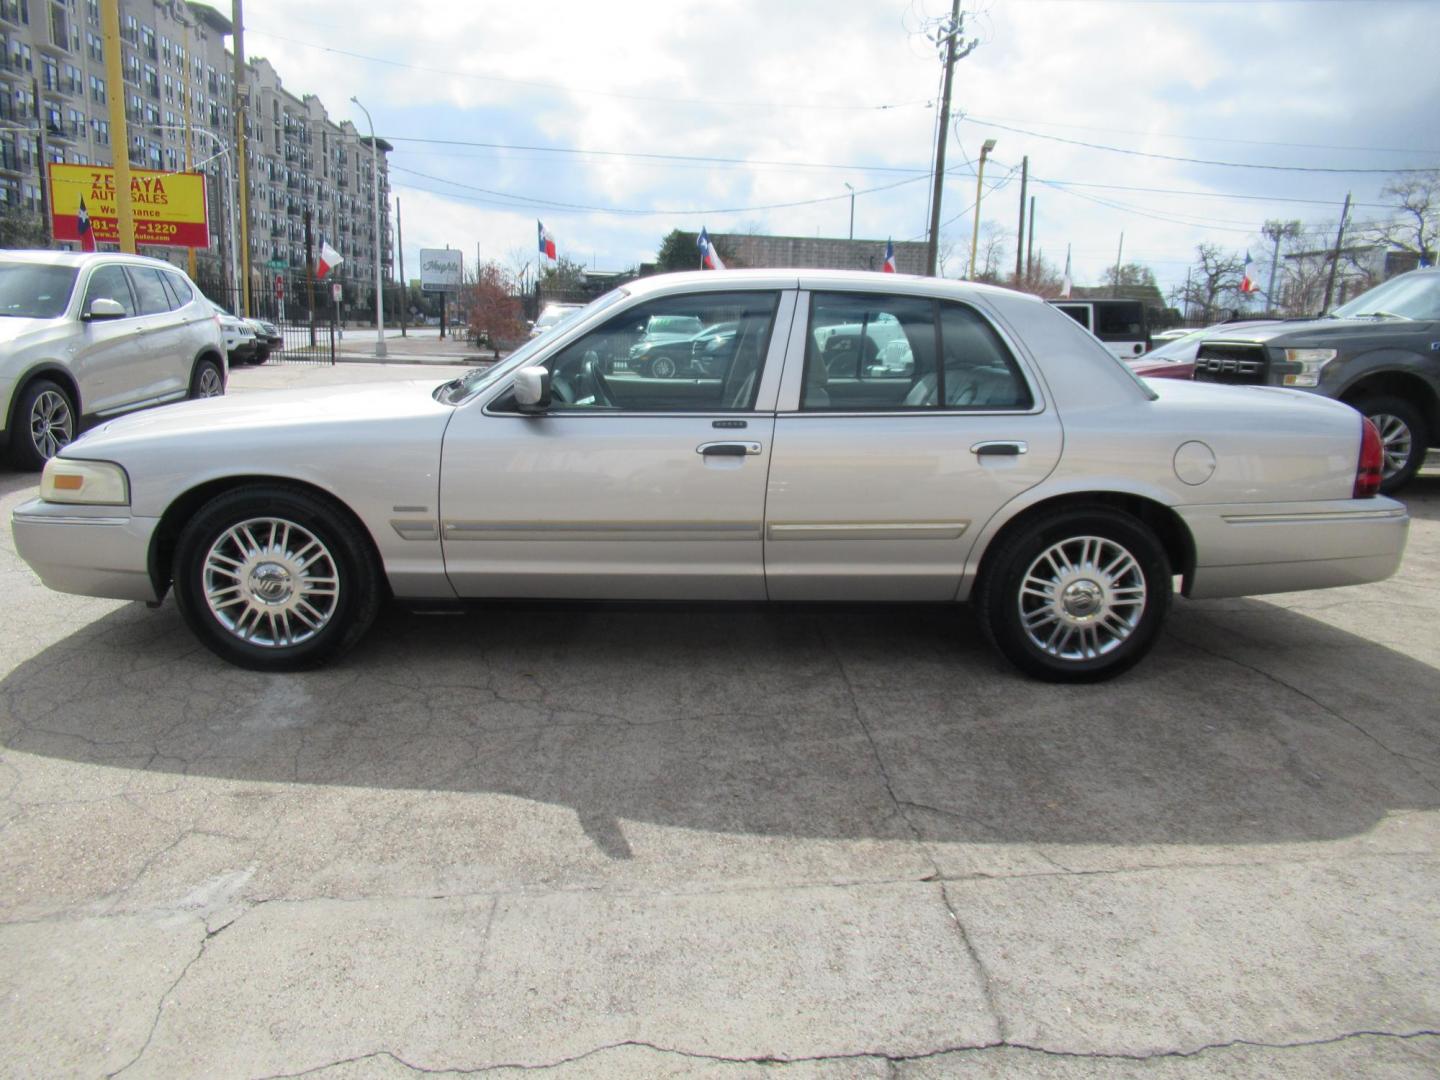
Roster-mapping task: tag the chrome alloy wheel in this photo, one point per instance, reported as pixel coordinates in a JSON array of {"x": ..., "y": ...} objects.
[
  {"x": 1397, "y": 440},
  {"x": 52, "y": 425},
  {"x": 271, "y": 582},
  {"x": 1082, "y": 598},
  {"x": 211, "y": 385}
]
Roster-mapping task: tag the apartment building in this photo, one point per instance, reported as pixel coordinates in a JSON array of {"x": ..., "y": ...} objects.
[{"x": 177, "y": 79}]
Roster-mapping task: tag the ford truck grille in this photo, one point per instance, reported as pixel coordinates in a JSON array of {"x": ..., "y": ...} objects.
[{"x": 1225, "y": 363}]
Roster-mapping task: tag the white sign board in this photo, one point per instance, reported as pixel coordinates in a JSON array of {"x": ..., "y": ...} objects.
[
  {"x": 441, "y": 269},
  {"x": 335, "y": 292}
]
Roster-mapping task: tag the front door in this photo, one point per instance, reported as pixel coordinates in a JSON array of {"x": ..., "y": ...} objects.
[
  {"x": 909, "y": 424},
  {"x": 633, "y": 485}
]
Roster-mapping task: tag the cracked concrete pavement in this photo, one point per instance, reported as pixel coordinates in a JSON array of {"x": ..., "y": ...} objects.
[{"x": 722, "y": 842}]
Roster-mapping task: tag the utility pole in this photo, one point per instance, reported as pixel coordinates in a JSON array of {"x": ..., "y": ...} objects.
[
  {"x": 400, "y": 255},
  {"x": 42, "y": 163},
  {"x": 1335, "y": 256},
  {"x": 985, "y": 149},
  {"x": 310, "y": 274},
  {"x": 1030, "y": 243},
  {"x": 119, "y": 131},
  {"x": 185, "y": 93},
  {"x": 952, "y": 33},
  {"x": 1115, "y": 288},
  {"x": 1020, "y": 236},
  {"x": 242, "y": 105},
  {"x": 852, "y": 208}
]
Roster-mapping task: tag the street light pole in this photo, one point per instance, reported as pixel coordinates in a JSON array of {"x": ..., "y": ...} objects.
[
  {"x": 985, "y": 149},
  {"x": 375, "y": 191},
  {"x": 852, "y": 208}
]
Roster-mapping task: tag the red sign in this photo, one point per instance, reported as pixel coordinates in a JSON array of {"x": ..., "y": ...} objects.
[{"x": 279, "y": 288}]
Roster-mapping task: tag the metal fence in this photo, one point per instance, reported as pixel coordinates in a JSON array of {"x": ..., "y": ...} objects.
[{"x": 305, "y": 344}]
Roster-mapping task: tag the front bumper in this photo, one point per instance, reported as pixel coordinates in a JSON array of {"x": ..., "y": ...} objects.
[
  {"x": 87, "y": 550},
  {"x": 1247, "y": 549}
]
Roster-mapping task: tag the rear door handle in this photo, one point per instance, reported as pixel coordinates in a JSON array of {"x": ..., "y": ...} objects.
[
  {"x": 1000, "y": 448},
  {"x": 728, "y": 449}
]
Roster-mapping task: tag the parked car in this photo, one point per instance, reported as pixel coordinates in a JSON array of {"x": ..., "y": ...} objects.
[
  {"x": 1380, "y": 353},
  {"x": 678, "y": 345},
  {"x": 85, "y": 337},
  {"x": 1019, "y": 467},
  {"x": 1164, "y": 337},
  {"x": 1176, "y": 358},
  {"x": 1123, "y": 325},
  {"x": 553, "y": 316},
  {"x": 239, "y": 336},
  {"x": 268, "y": 339}
]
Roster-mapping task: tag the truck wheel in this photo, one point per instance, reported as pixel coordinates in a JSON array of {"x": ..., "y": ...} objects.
[{"x": 1403, "y": 435}]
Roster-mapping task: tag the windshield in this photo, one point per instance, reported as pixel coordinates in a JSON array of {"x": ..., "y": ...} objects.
[
  {"x": 34, "y": 290},
  {"x": 1179, "y": 349},
  {"x": 553, "y": 316},
  {"x": 1410, "y": 296},
  {"x": 463, "y": 387}
]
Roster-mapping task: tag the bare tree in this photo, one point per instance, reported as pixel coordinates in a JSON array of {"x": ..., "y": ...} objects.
[
  {"x": 1277, "y": 232},
  {"x": 1214, "y": 280},
  {"x": 1416, "y": 227},
  {"x": 1130, "y": 274},
  {"x": 990, "y": 254}
]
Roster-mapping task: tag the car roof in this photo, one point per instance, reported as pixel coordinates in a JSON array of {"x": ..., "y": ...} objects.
[
  {"x": 82, "y": 259},
  {"x": 805, "y": 278}
]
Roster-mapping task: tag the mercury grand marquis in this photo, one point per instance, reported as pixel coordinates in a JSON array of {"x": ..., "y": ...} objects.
[{"x": 1011, "y": 463}]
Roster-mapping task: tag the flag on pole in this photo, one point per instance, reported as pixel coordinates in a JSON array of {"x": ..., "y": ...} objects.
[
  {"x": 1247, "y": 283},
  {"x": 709, "y": 257},
  {"x": 82, "y": 226},
  {"x": 329, "y": 259},
  {"x": 889, "y": 267},
  {"x": 547, "y": 242},
  {"x": 1065, "y": 282}
]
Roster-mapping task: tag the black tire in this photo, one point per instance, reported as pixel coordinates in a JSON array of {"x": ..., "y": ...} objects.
[
  {"x": 1401, "y": 425},
  {"x": 664, "y": 366},
  {"x": 205, "y": 378},
  {"x": 1128, "y": 626},
  {"x": 284, "y": 638},
  {"x": 43, "y": 421}
]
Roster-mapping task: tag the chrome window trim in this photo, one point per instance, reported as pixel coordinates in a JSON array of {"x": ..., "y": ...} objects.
[
  {"x": 792, "y": 384},
  {"x": 770, "y": 376}
]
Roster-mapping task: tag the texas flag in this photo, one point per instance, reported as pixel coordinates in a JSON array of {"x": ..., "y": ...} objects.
[
  {"x": 329, "y": 259},
  {"x": 709, "y": 257},
  {"x": 547, "y": 242},
  {"x": 889, "y": 267},
  {"x": 82, "y": 226},
  {"x": 1247, "y": 283}
]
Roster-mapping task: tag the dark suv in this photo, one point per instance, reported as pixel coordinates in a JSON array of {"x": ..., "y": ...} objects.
[{"x": 1379, "y": 353}]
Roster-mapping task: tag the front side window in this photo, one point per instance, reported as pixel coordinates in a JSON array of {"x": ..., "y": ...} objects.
[
  {"x": 702, "y": 352},
  {"x": 149, "y": 290},
  {"x": 109, "y": 283},
  {"x": 898, "y": 353}
]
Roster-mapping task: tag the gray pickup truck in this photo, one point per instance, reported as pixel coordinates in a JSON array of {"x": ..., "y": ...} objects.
[{"x": 1379, "y": 353}]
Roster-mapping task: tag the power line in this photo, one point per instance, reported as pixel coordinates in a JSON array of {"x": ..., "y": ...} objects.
[
  {"x": 586, "y": 90},
  {"x": 1189, "y": 160}
]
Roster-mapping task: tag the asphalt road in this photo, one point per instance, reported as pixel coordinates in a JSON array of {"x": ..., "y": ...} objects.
[{"x": 722, "y": 842}]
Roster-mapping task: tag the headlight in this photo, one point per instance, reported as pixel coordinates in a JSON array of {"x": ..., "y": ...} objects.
[
  {"x": 92, "y": 483},
  {"x": 1311, "y": 361}
]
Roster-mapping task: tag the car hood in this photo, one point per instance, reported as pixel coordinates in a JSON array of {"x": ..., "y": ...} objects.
[
  {"x": 663, "y": 339},
  {"x": 1325, "y": 331},
  {"x": 194, "y": 423},
  {"x": 11, "y": 329}
]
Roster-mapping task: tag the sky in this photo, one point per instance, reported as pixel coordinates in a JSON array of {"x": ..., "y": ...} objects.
[{"x": 615, "y": 123}]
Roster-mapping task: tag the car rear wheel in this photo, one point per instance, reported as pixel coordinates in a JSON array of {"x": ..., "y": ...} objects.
[
  {"x": 207, "y": 380},
  {"x": 1403, "y": 436},
  {"x": 44, "y": 422},
  {"x": 1076, "y": 596},
  {"x": 275, "y": 579},
  {"x": 663, "y": 367}
]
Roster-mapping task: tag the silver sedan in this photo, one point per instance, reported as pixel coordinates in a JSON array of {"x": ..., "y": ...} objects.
[{"x": 1011, "y": 463}]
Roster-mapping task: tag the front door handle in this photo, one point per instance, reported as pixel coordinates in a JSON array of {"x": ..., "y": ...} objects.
[
  {"x": 728, "y": 449},
  {"x": 1000, "y": 448}
]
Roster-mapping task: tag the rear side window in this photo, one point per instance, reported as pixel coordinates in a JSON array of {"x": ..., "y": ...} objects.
[
  {"x": 149, "y": 290},
  {"x": 1079, "y": 312},
  {"x": 979, "y": 371},
  {"x": 109, "y": 283},
  {"x": 1123, "y": 322},
  {"x": 180, "y": 290}
]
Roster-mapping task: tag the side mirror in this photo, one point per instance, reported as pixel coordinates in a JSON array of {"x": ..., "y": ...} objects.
[
  {"x": 532, "y": 390},
  {"x": 104, "y": 308}
]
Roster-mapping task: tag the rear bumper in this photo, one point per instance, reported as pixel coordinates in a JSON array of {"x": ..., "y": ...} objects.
[
  {"x": 87, "y": 550},
  {"x": 1248, "y": 549}
]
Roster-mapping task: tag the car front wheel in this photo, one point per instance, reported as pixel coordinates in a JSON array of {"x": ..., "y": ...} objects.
[
  {"x": 1403, "y": 436},
  {"x": 44, "y": 422},
  {"x": 207, "y": 380},
  {"x": 1076, "y": 596},
  {"x": 275, "y": 579}
]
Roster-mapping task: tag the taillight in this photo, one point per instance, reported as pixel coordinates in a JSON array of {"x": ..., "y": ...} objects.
[{"x": 1371, "y": 469}]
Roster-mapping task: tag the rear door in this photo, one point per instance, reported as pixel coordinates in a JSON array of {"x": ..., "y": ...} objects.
[
  {"x": 882, "y": 473},
  {"x": 630, "y": 487},
  {"x": 163, "y": 358}
]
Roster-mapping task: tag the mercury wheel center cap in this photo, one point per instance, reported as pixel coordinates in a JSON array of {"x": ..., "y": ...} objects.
[
  {"x": 1082, "y": 599},
  {"x": 271, "y": 583}
]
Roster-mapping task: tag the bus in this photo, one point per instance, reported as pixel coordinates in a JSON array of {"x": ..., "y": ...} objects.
[{"x": 1121, "y": 325}]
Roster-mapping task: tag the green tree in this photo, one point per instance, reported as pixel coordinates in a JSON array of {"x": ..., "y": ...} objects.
[
  {"x": 678, "y": 252},
  {"x": 1130, "y": 274},
  {"x": 565, "y": 276},
  {"x": 21, "y": 230}
]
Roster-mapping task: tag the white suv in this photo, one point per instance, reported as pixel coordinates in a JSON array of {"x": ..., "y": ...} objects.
[{"x": 84, "y": 337}]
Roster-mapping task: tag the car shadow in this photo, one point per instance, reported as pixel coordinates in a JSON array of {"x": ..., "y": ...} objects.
[
  {"x": 1250, "y": 724},
  {"x": 1422, "y": 496},
  {"x": 12, "y": 481}
]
